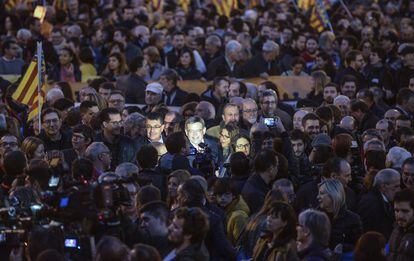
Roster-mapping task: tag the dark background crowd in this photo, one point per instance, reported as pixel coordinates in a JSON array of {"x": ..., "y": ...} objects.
[{"x": 133, "y": 167}]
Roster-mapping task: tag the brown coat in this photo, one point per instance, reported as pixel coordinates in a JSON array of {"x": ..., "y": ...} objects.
[
  {"x": 402, "y": 244},
  {"x": 287, "y": 252}
]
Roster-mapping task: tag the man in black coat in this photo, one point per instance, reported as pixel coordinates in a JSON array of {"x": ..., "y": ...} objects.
[
  {"x": 173, "y": 56},
  {"x": 264, "y": 64},
  {"x": 227, "y": 64},
  {"x": 366, "y": 119},
  {"x": 257, "y": 186},
  {"x": 133, "y": 84},
  {"x": 355, "y": 62},
  {"x": 173, "y": 95},
  {"x": 52, "y": 134},
  {"x": 375, "y": 208}
]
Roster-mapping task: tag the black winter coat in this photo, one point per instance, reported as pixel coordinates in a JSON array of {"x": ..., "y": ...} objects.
[
  {"x": 346, "y": 230},
  {"x": 376, "y": 214}
]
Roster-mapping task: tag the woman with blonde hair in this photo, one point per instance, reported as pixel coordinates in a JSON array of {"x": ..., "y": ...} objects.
[
  {"x": 33, "y": 148},
  {"x": 175, "y": 179},
  {"x": 346, "y": 225},
  {"x": 318, "y": 81}
]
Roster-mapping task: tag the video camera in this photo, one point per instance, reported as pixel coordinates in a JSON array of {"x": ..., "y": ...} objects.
[{"x": 204, "y": 159}]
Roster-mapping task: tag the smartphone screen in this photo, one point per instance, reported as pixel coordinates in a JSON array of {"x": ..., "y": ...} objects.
[
  {"x": 53, "y": 181},
  {"x": 71, "y": 243}
]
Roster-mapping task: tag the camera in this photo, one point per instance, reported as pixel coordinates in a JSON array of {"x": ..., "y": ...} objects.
[
  {"x": 204, "y": 160},
  {"x": 271, "y": 122}
]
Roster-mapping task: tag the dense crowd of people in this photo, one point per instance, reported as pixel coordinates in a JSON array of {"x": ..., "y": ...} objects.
[{"x": 148, "y": 171}]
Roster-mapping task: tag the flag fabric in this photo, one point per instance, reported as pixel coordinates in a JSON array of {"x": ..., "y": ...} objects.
[
  {"x": 308, "y": 4},
  {"x": 60, "y": 4},
  {"x": 27, "y": 92},
  {"x": 224, "y": 7},
  {"x": 10, "y": 4},
  {"x": 305, "y": 4},
  {"x": 319, "y": 19},
  {"x": 184, "y": 4},
  {"x": 157, "y": 5}
]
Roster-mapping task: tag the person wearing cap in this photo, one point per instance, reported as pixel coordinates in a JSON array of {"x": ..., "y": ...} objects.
[
  {"x": 133, "y": 84},
  {"x": 265, "y": 63},
  {"x": 407, "y": 70},
  {"x": 153, "y": 96}
]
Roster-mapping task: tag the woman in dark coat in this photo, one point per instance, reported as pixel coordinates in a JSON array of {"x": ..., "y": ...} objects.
[
  {"x": 346, "y": 225},
  {"x": 186, "y": 67}
]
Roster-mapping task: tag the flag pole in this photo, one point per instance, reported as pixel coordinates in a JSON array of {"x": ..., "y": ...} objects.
[
  {"x": 39, "y": 83},
  {"x": 346, "y": 9}
]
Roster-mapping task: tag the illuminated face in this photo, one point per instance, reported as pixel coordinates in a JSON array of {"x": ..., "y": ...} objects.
[
  {"x": 154, "y": 129},
  {"x": 195, "y": 132}
]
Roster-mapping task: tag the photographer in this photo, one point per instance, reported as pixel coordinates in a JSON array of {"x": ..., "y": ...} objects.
[{"x": 195, "y": 131}]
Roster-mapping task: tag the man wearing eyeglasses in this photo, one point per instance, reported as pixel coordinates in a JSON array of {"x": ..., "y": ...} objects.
[
  {"x": 270, "y": 109},
  {"x": 9, "y": 63},
  {"x": 154, "y": 124},
  {"x": 122, "y": 148},
  {"x": 249, "y": 113},
  {"x": 52, "y": 133}
]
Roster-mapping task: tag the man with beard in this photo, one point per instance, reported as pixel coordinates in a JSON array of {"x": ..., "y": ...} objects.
[
  {"x": 349, "y": 86},
  {"x": 408, "y": 173},
  {"x": 355, "y": 62},
  {"x": 153, "y": 223},
  {"x": 311, "y": 125},
  {"x": 402, "y": 237},
  {"x": 299, "y": 141},
  {"x": 343, "y": 103},
  {"x": 187, "y": 233},
  {"x": 249, "y": 113},
  {"x": 122, "y": 148},
  {"x": 52, "y": 135},
  {"x": 330, "y": 92},
  {"x": 269, "y": 105}
]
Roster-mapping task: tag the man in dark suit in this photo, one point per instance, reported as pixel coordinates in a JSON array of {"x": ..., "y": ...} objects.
[
  {"x": 227, "y": 64},
  {"x": 173, "y": 95},
  {"x": 196, "y": 133},
  {"x": 264, "y": 64},
  {"x": 133, "y": 84},
  {"x": 375, "y": 206}
]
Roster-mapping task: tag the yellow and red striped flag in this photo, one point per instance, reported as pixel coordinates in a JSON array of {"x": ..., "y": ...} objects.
[
  {"x": 306, "y": 4},
  {"x": 60, "y": 5},
  {"x": 224, "y": 7},
  {"x": 184, "y": 4},
  {"x": 28, "y": 92},
  {"x": 157, "y": 5}
]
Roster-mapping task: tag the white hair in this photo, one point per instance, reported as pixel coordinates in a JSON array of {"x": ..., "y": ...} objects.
[
  {"x": 24, "y": 33},
  {"x": 214, "y": 40},
  {"x": 126, "y": 169},
  {"x": 270, "y": 46},
  {"x": 396, "y": 156},
  {"x": 233, "y": 46},
  {"x": 341, "y": 99},
  {"x": 94, "y": 149},
  {"x": 385, "y": 176},
  {"x": 54, "y": 94}
]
